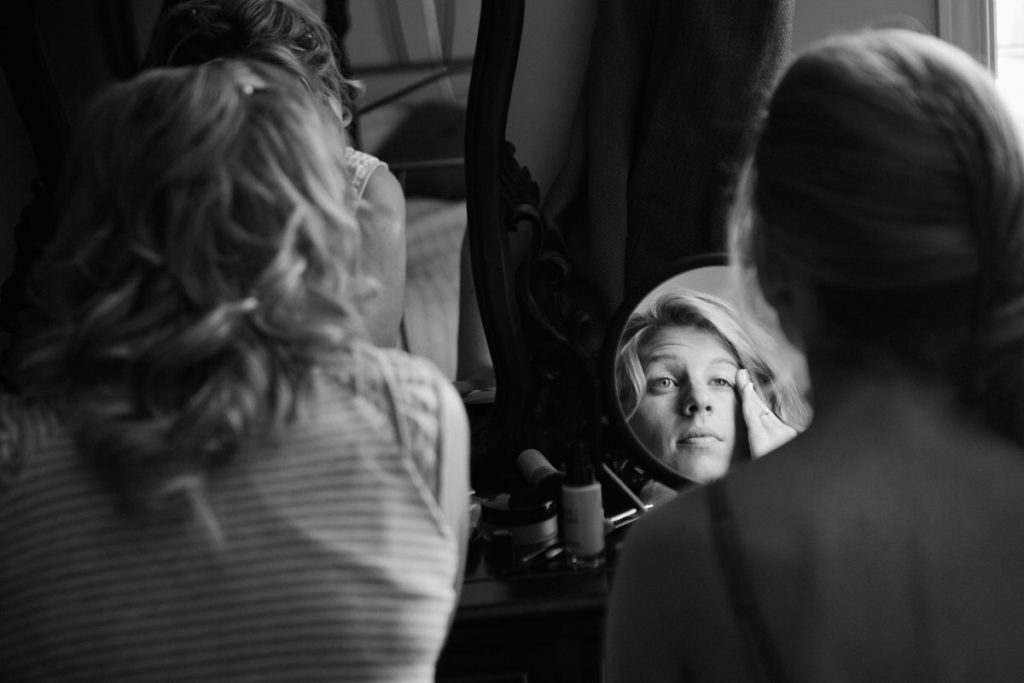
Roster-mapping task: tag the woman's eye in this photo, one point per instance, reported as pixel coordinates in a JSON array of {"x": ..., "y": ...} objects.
[
  {"x": 663, "y": 383},
  {"x": 720, "y": 382}
]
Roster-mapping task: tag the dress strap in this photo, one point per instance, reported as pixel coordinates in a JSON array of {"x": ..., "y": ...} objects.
[{"x": 762, "y": 654}]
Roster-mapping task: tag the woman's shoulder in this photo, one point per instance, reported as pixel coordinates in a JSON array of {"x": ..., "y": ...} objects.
[
  {"x": 681, "y": 522},
  {"x": 667, "y": 577},
  {"x": 388, "y": 374},
  {"x": 358, "y": 159},
  {"x": 415, "y": 397},
  {"x": 384, "y": 192},
  {"x": 404, "y": 365},
  {"x": 372, "y": 179},
  {"x": 675, "y": 539},
  {"x": 879, "y": 466}
]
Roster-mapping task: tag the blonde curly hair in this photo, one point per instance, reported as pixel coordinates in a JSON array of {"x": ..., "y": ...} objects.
[{"x": 205, "y": 266}]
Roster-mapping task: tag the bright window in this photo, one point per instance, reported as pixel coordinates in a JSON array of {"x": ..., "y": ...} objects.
[{"x": 1009, "y": 53}]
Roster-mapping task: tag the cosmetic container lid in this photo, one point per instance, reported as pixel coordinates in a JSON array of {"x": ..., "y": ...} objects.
[{"x": 540, "y": 473}]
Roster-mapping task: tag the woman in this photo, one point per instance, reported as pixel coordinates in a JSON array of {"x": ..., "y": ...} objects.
[
  {"x": 216, "y": 477},
  {"x": 883, "y": 211},
  {"x": 685, "y": 367},
  {"x": 291, "y": 35}
]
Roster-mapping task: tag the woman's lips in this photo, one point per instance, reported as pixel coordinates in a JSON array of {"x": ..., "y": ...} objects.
[{"x": 699, "y": 438}]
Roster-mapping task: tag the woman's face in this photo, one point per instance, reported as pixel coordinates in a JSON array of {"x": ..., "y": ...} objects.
[{"x": 688, "y": 412}]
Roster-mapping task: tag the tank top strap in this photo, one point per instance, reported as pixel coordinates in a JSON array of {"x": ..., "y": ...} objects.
[
  {"x": 413, "y": 406},
  {"x": 362, "y": 166}
]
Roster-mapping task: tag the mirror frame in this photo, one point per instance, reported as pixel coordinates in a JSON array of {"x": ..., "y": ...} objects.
[
  {"x": 632, "y": 446},
  {"x": 547, "y": 394},
  {"x": 490, "y": 91}
]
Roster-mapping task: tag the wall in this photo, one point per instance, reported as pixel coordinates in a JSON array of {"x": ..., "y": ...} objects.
[
  {"x": 552, "y": 62},
  {"x": 75, "y": 64},
  {"x": 815, "y": 19}
]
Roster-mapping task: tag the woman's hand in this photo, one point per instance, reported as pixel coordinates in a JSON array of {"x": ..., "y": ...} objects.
[{"x": 765, "y": 430}]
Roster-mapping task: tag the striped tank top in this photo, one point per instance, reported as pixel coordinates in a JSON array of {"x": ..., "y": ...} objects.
[{"x": 336, "y": 565}]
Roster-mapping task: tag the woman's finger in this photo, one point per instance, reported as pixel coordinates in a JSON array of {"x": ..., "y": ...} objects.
[
  {"x": 753, "y": 405},
  {"x": 765, "y": 430}
]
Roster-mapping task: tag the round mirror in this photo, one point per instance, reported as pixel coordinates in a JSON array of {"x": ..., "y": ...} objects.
[{"x": 673, "y": 356}]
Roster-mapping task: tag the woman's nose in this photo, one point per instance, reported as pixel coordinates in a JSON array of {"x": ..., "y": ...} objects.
[{"x": 695, "y": 400}]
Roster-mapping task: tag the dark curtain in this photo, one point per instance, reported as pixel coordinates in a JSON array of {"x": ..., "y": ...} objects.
[
  {"x": 672, "y": 95},
  {"x": 55, "y": 55}
]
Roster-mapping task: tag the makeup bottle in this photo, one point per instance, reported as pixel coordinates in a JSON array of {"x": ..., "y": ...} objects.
[
  {"x": 582, "y": 511},
  {"x": 540, "y": 474}
]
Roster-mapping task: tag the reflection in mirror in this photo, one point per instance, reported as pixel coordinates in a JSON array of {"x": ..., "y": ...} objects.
[
  {"x": 414, "y": 62},
  {"x": 678, "y": 389}
]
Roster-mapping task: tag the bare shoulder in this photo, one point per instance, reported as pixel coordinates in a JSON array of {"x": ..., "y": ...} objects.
[
  {"x": 381, "y": 218},
  {"x": 384, "y": 195},
  {"x": 669, "y": 539}
]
